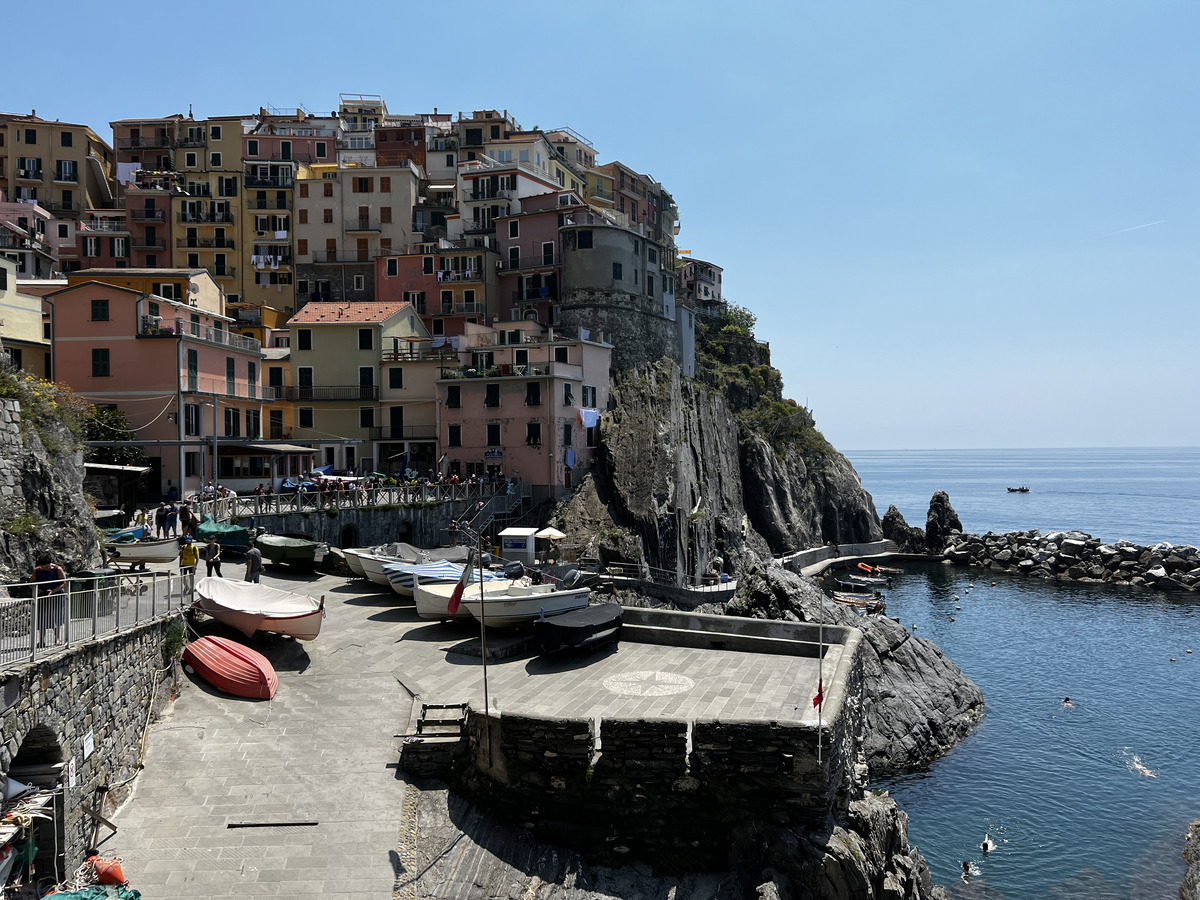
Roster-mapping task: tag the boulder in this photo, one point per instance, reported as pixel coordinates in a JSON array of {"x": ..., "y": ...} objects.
[
  {"x": 1191, "y": 856},
  {"x": 908, "y": 538},
  {"x": 941, "y": 523}
]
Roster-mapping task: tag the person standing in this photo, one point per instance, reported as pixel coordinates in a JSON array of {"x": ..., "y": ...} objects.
[
  {"x": 189, "y": 555},
  {"x": 160, "y": 520},
  {"x": 172, "y": 520},
  {"x": 212, "y": 557},
  {"x": 51, "y": 592},
  {"x": 253, "y": 563},
  {"x": 187, "y": 520}
]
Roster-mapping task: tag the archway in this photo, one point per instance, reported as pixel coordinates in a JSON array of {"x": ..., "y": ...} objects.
[
  {"x": 349, "y": 537},
  {"x": 40, "y": 762}
]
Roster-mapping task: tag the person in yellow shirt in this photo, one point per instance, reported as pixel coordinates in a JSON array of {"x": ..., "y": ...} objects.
[{"x": 189, "y": 555}]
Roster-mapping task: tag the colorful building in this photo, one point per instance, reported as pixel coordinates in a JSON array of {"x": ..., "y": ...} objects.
[
  {"x": 64, "y": 167},
  {"x": 24, "y": 328}
]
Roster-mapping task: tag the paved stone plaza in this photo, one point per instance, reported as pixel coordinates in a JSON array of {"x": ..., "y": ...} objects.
[{"x": 325, "y": 750}]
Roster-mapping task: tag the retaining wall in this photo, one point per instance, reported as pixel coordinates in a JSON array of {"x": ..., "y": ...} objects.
[{"x": 422, "y": 525}]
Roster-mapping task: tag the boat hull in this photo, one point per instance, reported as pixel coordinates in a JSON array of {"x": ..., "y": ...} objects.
[
  {"x": 253, "y": 607},
  {"x": 233, "y": 668},
  {"x": 144, "y": 551},
  {"x": 354, "y": 563},
  {"x": 295, "y": 552},
  {"x": 517, "y": 604},
  {"x": 432, "y": 601}
]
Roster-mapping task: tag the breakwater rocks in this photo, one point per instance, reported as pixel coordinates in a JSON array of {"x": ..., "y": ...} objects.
[
  {"x": 916, "y": 702},
  {"x": 1076, "y": 556},
  {"x": 1191, "y": 856}
]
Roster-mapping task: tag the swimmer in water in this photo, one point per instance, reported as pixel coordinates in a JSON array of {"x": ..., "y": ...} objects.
[
  {"x": 988, "y": 844},
  {"x": 1142, "y": 769},
  {"x": 966, "y": 871},
  {"x": 1067, "y": 701}
]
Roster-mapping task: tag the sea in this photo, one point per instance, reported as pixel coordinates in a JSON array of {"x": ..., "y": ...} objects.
[{"x": 1084, "y": 800}]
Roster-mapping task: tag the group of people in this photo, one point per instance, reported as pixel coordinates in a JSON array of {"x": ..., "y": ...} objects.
[
  {"x": 169, "y": 520},
  {"x": 191, "y": 553}
]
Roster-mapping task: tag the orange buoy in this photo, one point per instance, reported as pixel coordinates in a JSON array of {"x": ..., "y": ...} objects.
[
  {"x": 865, "y": 567},
  {"x": 108, "y": 871}
]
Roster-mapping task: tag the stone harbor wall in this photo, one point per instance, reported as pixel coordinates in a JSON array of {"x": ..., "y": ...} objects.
[
  {"x": 421, "y": 525},
  {"x": 103, "y": 689},
  {"x": 1076, "y": 556},
  {"x": 1191, "y": 856}
]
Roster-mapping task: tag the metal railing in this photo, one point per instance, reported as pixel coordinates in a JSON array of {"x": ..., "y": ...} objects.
[
  {"x": 144, "y": 143},
  {"x": 361, "y": 224},
  {"x": 535, "y": 295},
  {"x": 268, "y": 203},
  {"x": 280, "y": 181},
  {"x": 328, "y": 392},
  {"x": 222, "y": 271},
  {"x": 216, "y": 336},
  {"x": 349, "y": 497},
  {"x": 529, "y": 262},
  {"x": 148, "y": 215},
  {"x": 95, "y": 225},
  {"x": 90, "y": 606},
  {"x": 204, "y": 243},
  {"x": 205, "y": 217},
  {"x": 403, "y": 433},
  {"x": 223, "y": 387}
]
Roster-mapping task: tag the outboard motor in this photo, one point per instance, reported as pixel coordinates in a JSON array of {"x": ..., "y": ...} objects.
[
  {"x": 571, "y": 580},
  {"x": 514, "y": 570}
]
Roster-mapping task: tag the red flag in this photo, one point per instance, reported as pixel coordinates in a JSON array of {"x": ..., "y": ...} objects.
[
  {"x": 456, "y": 597},
  {"x": 820, "y": 698}
]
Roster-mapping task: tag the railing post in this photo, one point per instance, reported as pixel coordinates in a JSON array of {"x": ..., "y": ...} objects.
[
  {"x": 33, "y": 625},
  {"x": 118, "y": 622},
  {"x": 96, "y": 619},
  {"x": 137, "y": 601}
]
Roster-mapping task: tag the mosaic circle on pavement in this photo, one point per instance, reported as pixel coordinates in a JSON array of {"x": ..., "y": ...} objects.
[{"x": 648, "y": 684}]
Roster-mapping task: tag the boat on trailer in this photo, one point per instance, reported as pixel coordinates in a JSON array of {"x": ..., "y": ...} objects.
[{"x": 250, "y": 607}]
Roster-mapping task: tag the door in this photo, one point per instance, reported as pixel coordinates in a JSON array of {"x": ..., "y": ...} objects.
[
  {"x": 366, "y": 382},
  {"x": 396, "y": 423},
  {"x": 364, "y": 250},
  {"x": 548, "y": 253},
  {"x": 193, "y": 370},
  {"x": 193, "y": 237}
]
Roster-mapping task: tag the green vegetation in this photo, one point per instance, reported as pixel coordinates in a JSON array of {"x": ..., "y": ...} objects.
[
  {"x": 730, "y": 360},
  {"x": 173, "y": 642},
  {"x": 107, "y": 423},
  {"x": 24, "y": 526},
  {"x": 44, "y": 403}
]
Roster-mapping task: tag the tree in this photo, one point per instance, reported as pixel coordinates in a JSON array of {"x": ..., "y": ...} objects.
[{"x": 107, "y": 423}]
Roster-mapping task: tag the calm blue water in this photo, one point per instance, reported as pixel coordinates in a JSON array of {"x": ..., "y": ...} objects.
[{"x": 1059, "y": 787}]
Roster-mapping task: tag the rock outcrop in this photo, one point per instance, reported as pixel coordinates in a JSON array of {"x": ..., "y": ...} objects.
[
  {"x": 1191, "y": 856},
  {"x": 941, "y": 523},
  {"x": 42, "y": 502},
  {"x": 917, "y": 702},
  {"x": 908, "y": 538}
]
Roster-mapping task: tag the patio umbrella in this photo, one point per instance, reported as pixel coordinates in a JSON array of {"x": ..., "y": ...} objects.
[{"x": 552, "y": 534}]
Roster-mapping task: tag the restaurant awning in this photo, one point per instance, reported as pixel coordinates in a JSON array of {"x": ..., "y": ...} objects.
[{"x": 274, "y": 448}]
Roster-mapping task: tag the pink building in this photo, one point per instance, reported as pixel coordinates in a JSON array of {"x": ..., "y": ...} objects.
[
  {"x": 451, "y": 288},
  {"x": 531, "y": 255},
  {"x": 172, "y": 366},
  {"x": 523, "y": 403}
]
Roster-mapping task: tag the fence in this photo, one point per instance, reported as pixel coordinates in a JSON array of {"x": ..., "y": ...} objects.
[
  {"x": 351, "y": 497},
  {"x": 93, "y": 605}
]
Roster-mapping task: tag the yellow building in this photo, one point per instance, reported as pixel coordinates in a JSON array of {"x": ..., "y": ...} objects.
[
  {"x": 195, "y": 287},
  {"x": 66, "y": 168},
  {"x": 337, "y": 368},
  {"x": 24, "y": 331}
]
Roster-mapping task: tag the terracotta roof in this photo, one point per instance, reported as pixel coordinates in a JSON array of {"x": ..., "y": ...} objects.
[{"x": 334, "y": 313}]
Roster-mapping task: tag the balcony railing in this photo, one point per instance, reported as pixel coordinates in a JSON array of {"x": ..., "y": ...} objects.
[
  {"x": 205, "y": 218},
  {"x": 328, "y": 392},
  {"x": 193, "y": 140},
  {"x": 60, "y": 206},
  {"x": 439, "y": 202},
  {"x": 512, "y": 370},
  {"x": 404, "y": 433},
  {"x": 419, "y": 354},
  {"x": 144, "y": 143},
  {"x": 449, "y": 276},
  {"x": 268, "y": 203},
  {"x": 148, "y": 215},
  {"x": 235, "y": 390},
  {"x": 29, "y": 174},
  {"x": 212, "y": 335},
  {"x": 67, "y": 177},
  {"x": 535, "y": 295},
  {"x": 529, "y": 262},
  {"x": 221, "y": 271},
  {"x": 458, "y": 309},
  {"x": 477, "y": 226},
  {"x": 488, "y": 194},
  {"x": 204, "y": 243},
  {"x": 96, "y": 225},
  {"x": 13, "y": 242},
  {"x": 601, "y": 193},
  {"x": 275, "y": 181},
  {"x": 197, "y": 189},
  {"x": 141, "y": 243},
  {"x": 277, "y": 156},
  {"x": 263, "y": 262},
  {"x": 361, "y": 224}
]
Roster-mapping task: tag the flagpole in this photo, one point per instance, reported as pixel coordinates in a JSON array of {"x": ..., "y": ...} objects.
[
  {"x": 820, "y": 674},
  {"x": 487, "y": 711}
]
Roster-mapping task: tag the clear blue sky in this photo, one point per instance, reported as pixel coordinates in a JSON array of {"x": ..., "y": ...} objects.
[{"x": 959, "y": 224}]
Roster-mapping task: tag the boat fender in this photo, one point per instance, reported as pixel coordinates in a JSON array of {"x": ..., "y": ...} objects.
[{"x": 108, "y": 871}]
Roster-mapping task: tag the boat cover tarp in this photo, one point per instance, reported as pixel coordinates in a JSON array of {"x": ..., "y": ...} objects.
[
  {"x": 101, "y": 892},
  {"x": 576, "y": 628},
  {"x": 227, "y": 535},
  {"x": 257, "y": 599},
  {"x": 442, "y": 570},
  {"x": 278, "y": 540}
]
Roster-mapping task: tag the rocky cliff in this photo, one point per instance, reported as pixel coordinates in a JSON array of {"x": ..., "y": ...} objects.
[
  {"x": 42, "y": 502},
  {"x": 1191, "y": 856}
]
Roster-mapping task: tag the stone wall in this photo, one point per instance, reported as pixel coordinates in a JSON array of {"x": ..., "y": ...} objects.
[
  {"x": 102, "y": 687},
  {"x": 632, "y": 323},
  {"x": 632, "y": 790},
  {"x": 1191, "y": 856}
]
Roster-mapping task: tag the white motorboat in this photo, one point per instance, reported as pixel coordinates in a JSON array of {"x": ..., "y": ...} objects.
[
  {"x": 252, "y": 607},
  {"x": 405, "y": 576},
  {"x": 143, "y": 551},
  {"x": 352, "y": 560},
  {"x": 507, "y": 603}
]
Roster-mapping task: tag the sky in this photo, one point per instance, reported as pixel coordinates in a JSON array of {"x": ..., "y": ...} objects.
[{"x": 958, "y": 224}]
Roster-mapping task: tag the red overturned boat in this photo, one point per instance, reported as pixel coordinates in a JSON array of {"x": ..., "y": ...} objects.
[{"x": 232, "y": 667}]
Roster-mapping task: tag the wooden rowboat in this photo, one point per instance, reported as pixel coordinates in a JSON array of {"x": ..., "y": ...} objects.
[
  {"x": 233, "y": 668},
  {"x": 252, "y": 607}
]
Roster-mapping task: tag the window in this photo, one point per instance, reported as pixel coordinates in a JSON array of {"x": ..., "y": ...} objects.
[
  {"x": 302, "y": 250},
  {"x": 454, "y": 436},
  {"x": 302, "y": 216},
  {"x": 118, "y": 247},
  {"x": 303, "y": 189},
  {"x": 590, "y": 435},
  {"x": 493, "y": 434},
  {"x": 568, "y": 397},
  {"x": 393, "y": 267},
  {"x": 253, "y": 423},
  {"x": 304, "y": 339},
  {"x": 385, "y": 184},
  {"x": 275, "y": 423},
  {"x": 616, "y": 269},
  {"x": 64, "y": 230},
  {"x": 567, "y": 434},
  {"x": 652, "y": 255},
  {"x": 366, "y": 336},
  {"x": 385, "y": 215},
  {"x": 454, "y": 397},
  {"x": 30, "y": 136},
  {"x": 66, "y": 139},
  {"x": 99, "y": 310},
  {"x": 584, "y": 241},
  {"x": 100, "y": 363},
  {"x": 191, "y": 419},
  {"x": 366, "y": 417},
  {"x": 3, "y": 279},
  {"x": 560, "y": 354},
  {"x": 589, "y": 396},
  {"x": 233, "y": 423},
  {"x": 305, "y": 416},
  {"x": 491, "y": 395},
  {"x": 252, "y": 148},
  {"x": 450, "y": 160},
  {"x": 215, "y": 132},
  {"x": 91, "y": 246},
  {"x": 533, "y": 393},
  {"x": 214, "y": 160},
  {"x": 360, "y": 284},
  {"x": 322, "y": 149},
  {"x": 191, "y": 464},
  {"x": 427, "y": 265},
  {"x": 302, "y": 284},
  {"x": 189, "y": 160},
  {"x": 396, "y": 378},
  {"x": 533, "y": 434},
  {"x": 514, "y": 228},
  {"x": 362, "y": 185}
]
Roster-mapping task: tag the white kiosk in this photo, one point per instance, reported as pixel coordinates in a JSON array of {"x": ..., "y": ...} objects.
[{"x": 518, "y": 544}]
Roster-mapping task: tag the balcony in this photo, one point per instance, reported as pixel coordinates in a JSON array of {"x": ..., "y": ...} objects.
[
  {"x": 268, "y": 181},
  {"x": 343, "y": 256},
  {"x": 223, "y": 387},
  {"x": 510, "y": 370},
  {"x": 601, "y": 193},
  {"x": 197, "y": 189},
  {"x": 13, "y": 242},
  {"x": 139, "y": 242},
  {"x": 148, "y": 215},
  {"x": 458, "y": 309},
  {"x": 272, "y": 237},
  {"x": 416, "y": 355},
  {"x": 536, "y": 295},
  {"x": 220, "y": 336},
  {"x": 361, "y": 224},
  {"x": 268, "y": 203},
  {"x": 203, "y": 218},
  {"x": 488, "y": 194},
  {"x": 479, "y": 226},
  {"x": 194, "y": 139},
  {"x": 266, "y": 261},
  {"x": 144, "y": 143},
  {"x": 98, "y": 225},
  {"x": 29, "y": 174},
  {"x": 404, "y": 433},
  {"x": 204, "y": 243},
  {"x": 448, "y": 277},
  {"x": 437, "y": 202},
  {"x": 67, "y": 177},
  {"x": 277, "y": 156},
  {"x": 432, "y": 232},
  {"x": 529, "y": 262},
  {"x": 221, "y": 271},
  {"x": 328, "y": 392},
  {"x": 60, "y": 206}
]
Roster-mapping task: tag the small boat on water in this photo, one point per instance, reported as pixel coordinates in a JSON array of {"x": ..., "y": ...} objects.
[
  {"x": 862, "y": 599},
  {"x": 299, "y": 553},
  {"x": 255, "y": 607},
  {"x": 866, "y": 579},
  {"x": 404, "y": 577},
  {"x": 1018, "y": 490},
  {"x": 143, "y": 551},
  {"x": 231, "y": 667}
]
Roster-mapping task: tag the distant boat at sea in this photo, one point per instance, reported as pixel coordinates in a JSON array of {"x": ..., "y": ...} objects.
[{"x": 1018, "y": 490}]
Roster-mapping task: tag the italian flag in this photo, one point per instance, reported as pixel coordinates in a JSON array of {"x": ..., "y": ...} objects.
[{"x": 456, "y": 597}]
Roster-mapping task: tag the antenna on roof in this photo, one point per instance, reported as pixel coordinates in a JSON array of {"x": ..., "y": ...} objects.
[{"x": 189, "y": 110}]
